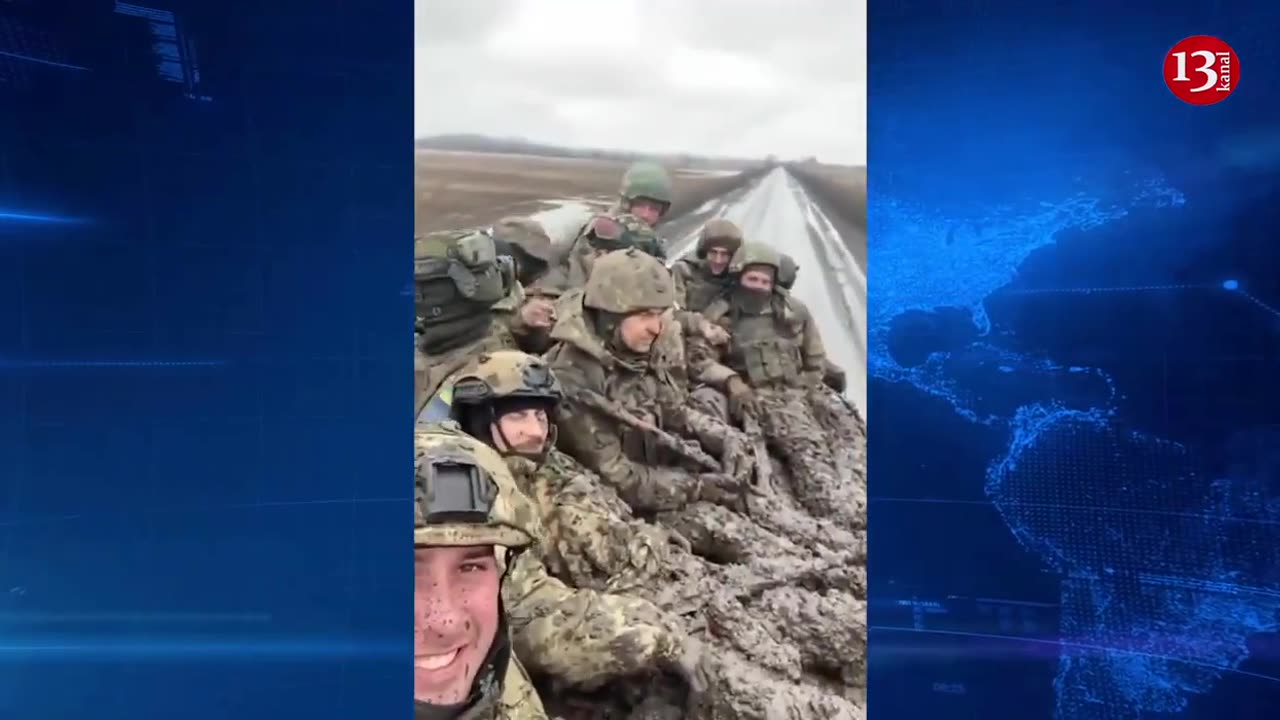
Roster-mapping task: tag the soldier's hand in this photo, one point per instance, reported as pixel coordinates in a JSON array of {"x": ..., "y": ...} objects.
[
  {"x": 714, "y": 334},
  {"x": 741, "y": 398},
  {"x": 538, "y": 312},
  {"x": 720, "y": 489}
]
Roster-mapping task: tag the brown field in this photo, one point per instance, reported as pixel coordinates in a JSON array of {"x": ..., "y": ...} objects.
[
  {"x": 842, "y": 192},
  {"x": 458, "y": 189}
]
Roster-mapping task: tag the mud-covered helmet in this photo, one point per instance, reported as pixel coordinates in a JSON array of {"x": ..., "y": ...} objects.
[
  {"x": 719, "y": 232},
  {"x": 755, "y": 254},
  {"x": 628, "y": 281},
  {"x": 647, "y": 179},
  {"x": 787, "y": 270},
  {"x": 464, "y": 493}
]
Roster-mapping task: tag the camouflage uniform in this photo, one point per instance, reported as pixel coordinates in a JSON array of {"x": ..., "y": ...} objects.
[
  {"x": 466, "y": 300},
  {"x": 605, "y": 233},
  {"x": 588, "y": 359},
  {"x": 505, "y": 691},
  {"x": 776, "y": 349},
  {"x": 696, "y": 287},
  {"x": 537, "y": 270},
  {"x": 832, "y": 374},
  {"x": 593, "y": 540}
]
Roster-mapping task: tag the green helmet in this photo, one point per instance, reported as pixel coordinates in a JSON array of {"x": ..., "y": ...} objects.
[
  {"x": 464, "y": 493},
  {"x": 755, "y": 254},
  {"x": 646, "y": 179},
  {"x": 628, "y": 281},
  {"x": 718, "y": 232},
  {"x": 620, "y": 231},
  {"x": 787, "y": 271}
]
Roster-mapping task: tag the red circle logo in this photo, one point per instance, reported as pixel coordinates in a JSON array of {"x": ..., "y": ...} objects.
[{"x": 1201, "y": 70}]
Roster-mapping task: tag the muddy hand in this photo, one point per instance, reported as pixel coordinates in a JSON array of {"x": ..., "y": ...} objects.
[{"x": 738, "y": 461}]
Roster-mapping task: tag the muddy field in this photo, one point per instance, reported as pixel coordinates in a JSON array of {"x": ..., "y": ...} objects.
[
  {"x": 842, "y": 192},
  {"x": 457, "y": 189}
]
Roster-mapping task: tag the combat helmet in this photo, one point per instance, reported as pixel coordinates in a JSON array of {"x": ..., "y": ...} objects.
[
  {"x": 646, "y": 179},
  {"x": 628, "y": 281},
  {"x": 719, "y": 232},
  {"x": 505, "y": 377},
  {"x": 787, "y": 271},
  {"x": 465, "y": 495},
  {"x": 755, "y": 254}
]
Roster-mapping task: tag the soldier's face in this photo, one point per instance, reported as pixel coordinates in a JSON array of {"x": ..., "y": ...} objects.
[
  {"x": 647, "y": 210},
  {"x": 757, "y": 279},
  {"x": 718, "y": 259},
  {"x": 455, "y": 619},
  {"x": 522, "y": 431},
  {"x": 639, "y": 330}
]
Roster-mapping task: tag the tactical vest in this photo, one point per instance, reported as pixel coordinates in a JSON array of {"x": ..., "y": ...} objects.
[{"x": 765, "y": 349}]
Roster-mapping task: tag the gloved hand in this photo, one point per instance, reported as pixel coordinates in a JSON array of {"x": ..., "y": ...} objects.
[{"x": 741, "y": 398}]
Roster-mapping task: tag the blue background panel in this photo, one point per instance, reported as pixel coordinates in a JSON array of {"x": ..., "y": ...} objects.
[
  {"x": 1075, "y": 332},
  {"x": 204, "y": 379}
]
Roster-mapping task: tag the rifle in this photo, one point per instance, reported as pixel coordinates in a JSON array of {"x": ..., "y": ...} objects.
[{"x": 684, "y": 448}]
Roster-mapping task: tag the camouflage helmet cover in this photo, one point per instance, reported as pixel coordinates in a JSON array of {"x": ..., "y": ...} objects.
[
  {"x": 505, "y": 374},
  {"x": 719, "y": 232},
  {"x": 646, "y": 179},
  {"x": 755, "y": 254},
  {"x": 464, "y": 493},
  {"x": 618, "y": 231},
  {"x": 628, "y": 281},
  {"x": 787, "y": 270}
]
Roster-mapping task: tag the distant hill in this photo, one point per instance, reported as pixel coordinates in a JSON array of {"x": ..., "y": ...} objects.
[{"x": 520, "y": 146}]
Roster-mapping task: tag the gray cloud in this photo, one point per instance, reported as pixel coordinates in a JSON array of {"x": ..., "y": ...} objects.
[{"x": 733, "y": 77}]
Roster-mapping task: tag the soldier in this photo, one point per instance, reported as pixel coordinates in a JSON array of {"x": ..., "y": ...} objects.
[
  {"x": 703, "y": 278},
  {"x": 624, "y": 414},
  {"x": 577, "y": 638},
  {"x": 507, "y": 399},
  {"x": 645, "y": 192},
  {"x": 773, "y": 369},
  {"x": 469, "y": 524},
  {"x": 833, "y": 375},
  {"x": 527, "y": 240},
  {"x": 466, "y": 300}
]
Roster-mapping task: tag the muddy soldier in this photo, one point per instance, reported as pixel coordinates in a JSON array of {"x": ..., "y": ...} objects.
[
  {"x": 625, "y": 415},
  {"x": 466, "y": 299},
  {"x": 773, "y": 368},
  {"x": 469, "y": 522}
]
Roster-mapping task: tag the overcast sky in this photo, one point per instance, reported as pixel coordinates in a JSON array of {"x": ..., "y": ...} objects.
[{"x": 720, "y": 77}]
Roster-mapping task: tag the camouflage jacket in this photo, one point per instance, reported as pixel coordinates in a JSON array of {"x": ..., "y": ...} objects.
[
  {"x": 518, "y": 701},
  {"x": 646, "y": 477},
  {"x": 593, "y": 540},
  {"x": 583, "y": 638},
  {"x": 779, "y": 347},
  {"x": 696, "y": 288}
]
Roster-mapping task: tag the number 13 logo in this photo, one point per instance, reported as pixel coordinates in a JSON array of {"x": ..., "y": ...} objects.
[{"x": 1201, "y": 70}]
